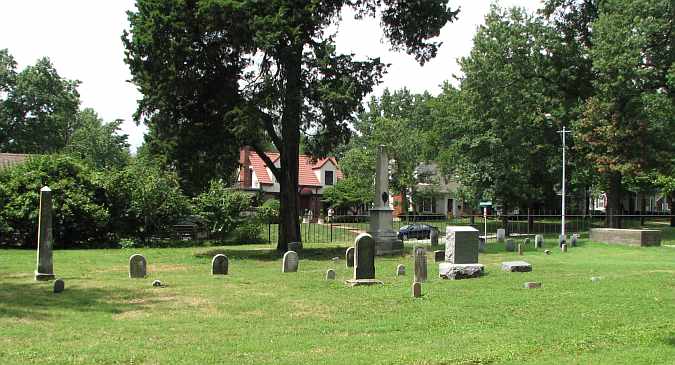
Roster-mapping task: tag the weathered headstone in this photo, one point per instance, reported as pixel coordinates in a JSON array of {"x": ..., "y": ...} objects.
[
  {"x": 219, "y": 265},
  {"x": 520, "y": 250},
  {"x": 364, "y": 261},
  {"x": 481, "y": 244},
  {"x": 400, "y": 270},
  {"x": 501, "y": 235},
  {"x": 461, "y": 245},
  {"x": 420, "y": 255},
  {"x": 138, "y": 266},
  {"x": 563, "y": 247},
  {"x": 510, "y": 245},
  {"x": 290, "y": 262},
  {"x": 45, "y": 263},
  {"x": 295, "y": 246},
  {"x": 59, "y": 285},
  {"x": 416, "y": 290},
  {"x": 574, "y": 239},
  {"x": 539, "y": 241},
  {"x": 433, "y": 235},
  {"x": 450, "y": 271},
  {"x": 561, "y": 239},
  {"x": 532, "y": 285},
  {"x": 330, "y": 274},
  {"x": 439, "y": 255},
  {"x": 516, "y": 266},
  {"x": 349, "y": 257}
]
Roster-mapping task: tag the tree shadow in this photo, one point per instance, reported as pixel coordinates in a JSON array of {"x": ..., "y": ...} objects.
[{"x": 271, "y": 254}]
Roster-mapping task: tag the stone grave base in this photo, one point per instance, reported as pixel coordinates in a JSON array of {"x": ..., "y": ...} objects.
[
  {"x": 360, "y": 282},
  {"x": 451, "y": 271},
  {"x": 43, "y": 277},
  {"x": 516, "y": 266}
]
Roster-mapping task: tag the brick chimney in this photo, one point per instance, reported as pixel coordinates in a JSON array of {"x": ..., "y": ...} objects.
[{"x": 245, "y": 175}]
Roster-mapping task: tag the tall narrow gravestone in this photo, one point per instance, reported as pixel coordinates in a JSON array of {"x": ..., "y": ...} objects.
[
  {"x": 539, "y": 241},
  {"x": 364, "y": 261},
  {"x": 219, "y": 265},
  {"x": 290, "y": 262},
  {"x": 420, "y": 265},
  {"x": 45, "y": 263},
  {"x": 137, "y": 266},
  {"x": 381, "y": 214}
]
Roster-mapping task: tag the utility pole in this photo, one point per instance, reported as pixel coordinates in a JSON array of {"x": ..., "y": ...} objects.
[{"x": 562, "y": 217}]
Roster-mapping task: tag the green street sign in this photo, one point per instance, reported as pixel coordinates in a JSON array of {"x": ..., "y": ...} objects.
[{"x": 485, "y": 204}]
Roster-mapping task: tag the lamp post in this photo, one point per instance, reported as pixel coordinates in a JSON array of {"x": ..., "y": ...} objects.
[{"x": 564, "y": 131}]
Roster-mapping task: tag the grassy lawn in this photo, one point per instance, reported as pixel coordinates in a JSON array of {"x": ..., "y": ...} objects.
[{"x": 257, "y": 315}]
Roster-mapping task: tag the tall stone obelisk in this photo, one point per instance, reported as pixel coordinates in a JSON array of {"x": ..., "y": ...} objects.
[
  {"x": 45, "y": 264},
  {"x": 381, "y": 215}
]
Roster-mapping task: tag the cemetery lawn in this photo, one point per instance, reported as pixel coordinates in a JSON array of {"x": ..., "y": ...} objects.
[{"x": 257, "y": 315}]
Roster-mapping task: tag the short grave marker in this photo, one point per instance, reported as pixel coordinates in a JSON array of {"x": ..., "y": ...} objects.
[
  {"x": 516, "y": 266},
  {"x": 137, "y": 266},
  {"x": 290, "y": 262}
]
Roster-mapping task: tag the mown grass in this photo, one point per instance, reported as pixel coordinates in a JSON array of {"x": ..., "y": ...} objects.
[{"x": 257, "y": 315}]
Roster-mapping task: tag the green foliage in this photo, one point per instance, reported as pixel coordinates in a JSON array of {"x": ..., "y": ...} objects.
[
  {"x": 223, "y": 209},
  {"x": 99, "y": 144},
  {"x": 268, "y": 212},
  {"x": 356, "y": 188},
  {"x": 38, "y": 108},
  {"x": 80, "y": 216}
]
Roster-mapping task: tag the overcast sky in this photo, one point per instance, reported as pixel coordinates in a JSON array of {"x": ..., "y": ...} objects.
[{"x": 82, "y": 39}]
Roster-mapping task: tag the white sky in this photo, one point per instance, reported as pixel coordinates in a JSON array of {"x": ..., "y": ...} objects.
[{"x": 82, "y": 39}]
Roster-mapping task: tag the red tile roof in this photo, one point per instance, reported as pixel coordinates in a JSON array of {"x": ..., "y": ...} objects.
[
  {"x": 10, "y": 159},
  {"x": 306, "y": 176}
]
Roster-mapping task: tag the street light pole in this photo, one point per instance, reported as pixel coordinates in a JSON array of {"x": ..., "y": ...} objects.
[{"x": 562, "y": 218}]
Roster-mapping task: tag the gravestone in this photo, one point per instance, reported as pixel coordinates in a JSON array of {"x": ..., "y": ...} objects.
[
  {"x": 420, "y": 255},
  {"x": 364, "y": 261},
  {"x": 510, "y": 245},
  {"x": 295, "y": 246},
  {"x": 138, "y": 266},
  {"x": 563, "y": 247},
  {"x": 520, "y": 250},
  {"x": 439, "y": 255},
  {"x": 461, "y": 245},
  {"x": 516, "y": 266},
  {"x": 349, "y": 257},
  {"x": 574, "y": 239},
  {"x": 561, "y": 239},
  {"x": 59, "y": 285},
  {"x": 416, "y": 290},
  {"x": 45, "y": 263},
  {"x": 157, "y": 284},
  {"x": 532, "y": 285},
  {"x": 548, "y": 252},
  {"x": 400, "y": 270},
  {"x": 501, "y": 235},
  {"x": 381, "y": 214},
  {"x": 330, "y": 274},
  {"x": 290, "y": 262},
  {"x": 481, "y": 244},
  {"x": 219, "y": 265},
  {"x": 433, "y": 235},
  {"x": 539, "y": 241},
  {"x": 450, "y": 271}
]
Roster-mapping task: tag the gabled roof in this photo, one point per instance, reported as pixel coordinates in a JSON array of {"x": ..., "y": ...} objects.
[
  {"x": 306, "y": 167},
  {"x": 11, "y": 159}
]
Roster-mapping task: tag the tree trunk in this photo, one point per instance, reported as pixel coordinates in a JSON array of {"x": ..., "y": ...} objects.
[
  {"x": 671, "y": 200},
  {"x": 289, "y": 224},
  {"x": 643, "y": 208},
  {"x": 613, "y": 201}
]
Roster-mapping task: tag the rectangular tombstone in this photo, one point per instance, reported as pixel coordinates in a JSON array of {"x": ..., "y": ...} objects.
[
  {"x": 45, "y": 263},
  {"x": 501, "y": 235},
  {"x": 439, "y": 256},
  {"x": 420, "y": 255},
  {"x": 539, "y": 241},
  {"x": 461, "y": 245},
  {"x": 364, "y": 257},
  {"x": 634, "y": 237}
]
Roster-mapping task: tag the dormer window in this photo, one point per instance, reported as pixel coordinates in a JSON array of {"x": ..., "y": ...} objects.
[{"x": 328, "y": 178}]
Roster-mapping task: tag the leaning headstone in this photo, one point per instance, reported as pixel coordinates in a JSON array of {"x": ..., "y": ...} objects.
[
  {"x": 219, "y": 265},
  {"x": 294, "y": 246},
  {"x": 138, "y": 266},
  {"x": 451, "y": 271},
  {"x": 364, "y": 261},
  {"x": 45, "y": 263},
  {"x": 420, "y": 264},
  {"x": 59, "y": 285},
  {"x": 290, "y": 262},
  {"x": 516, "y": 266},
  {"x": 349, "y": 257},
  {"x": 510, "y": 245},
  {"x": 501, "y": 235},
  {"x": 520, "y": 250},
  {"x": 330, "y": 274},
  {"x": 433, "y": 235},
  {"x": 416, "y": 290},
  {"x": 563, "y": 247},
  {"x": 539, "y": 241},
  {"x": 439, "y": 255},
  {"x": 561, "y": 240},
  {"x": 532, "y": 285},
  {"x": 400, "y": 270},
  {"x": 461, "y": 245},
  {"x": 481, "y": 244},
  {"x": 574, "y": 239}
]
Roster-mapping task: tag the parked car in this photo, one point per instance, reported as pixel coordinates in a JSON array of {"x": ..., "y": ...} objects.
[{"x": 415, "y": 230}]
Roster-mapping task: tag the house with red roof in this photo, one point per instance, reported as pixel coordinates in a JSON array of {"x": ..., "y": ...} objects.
[{"x": 313, "y": 177}]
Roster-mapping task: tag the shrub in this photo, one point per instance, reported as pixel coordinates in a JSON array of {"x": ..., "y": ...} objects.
[
  {"x": 268, "y": 212},
  {"x": 247, "y": 232},
  {"x": 222, "y": 208}
]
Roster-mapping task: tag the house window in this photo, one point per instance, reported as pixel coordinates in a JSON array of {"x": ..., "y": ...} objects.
[
  {"x": 328, "y": 178},
  {"x": 428, "y": 205}
]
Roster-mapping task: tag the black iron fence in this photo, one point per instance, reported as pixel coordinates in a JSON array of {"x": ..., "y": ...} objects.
[{"x": 344, "y": 228}]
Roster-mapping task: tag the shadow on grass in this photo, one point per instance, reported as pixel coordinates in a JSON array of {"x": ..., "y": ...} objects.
[
  {"x": 37, "y": 301},
  {"x": 271, "y": 254}
]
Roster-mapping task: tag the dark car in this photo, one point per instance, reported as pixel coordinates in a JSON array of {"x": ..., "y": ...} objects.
[{"x": 415, "y": 230}]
